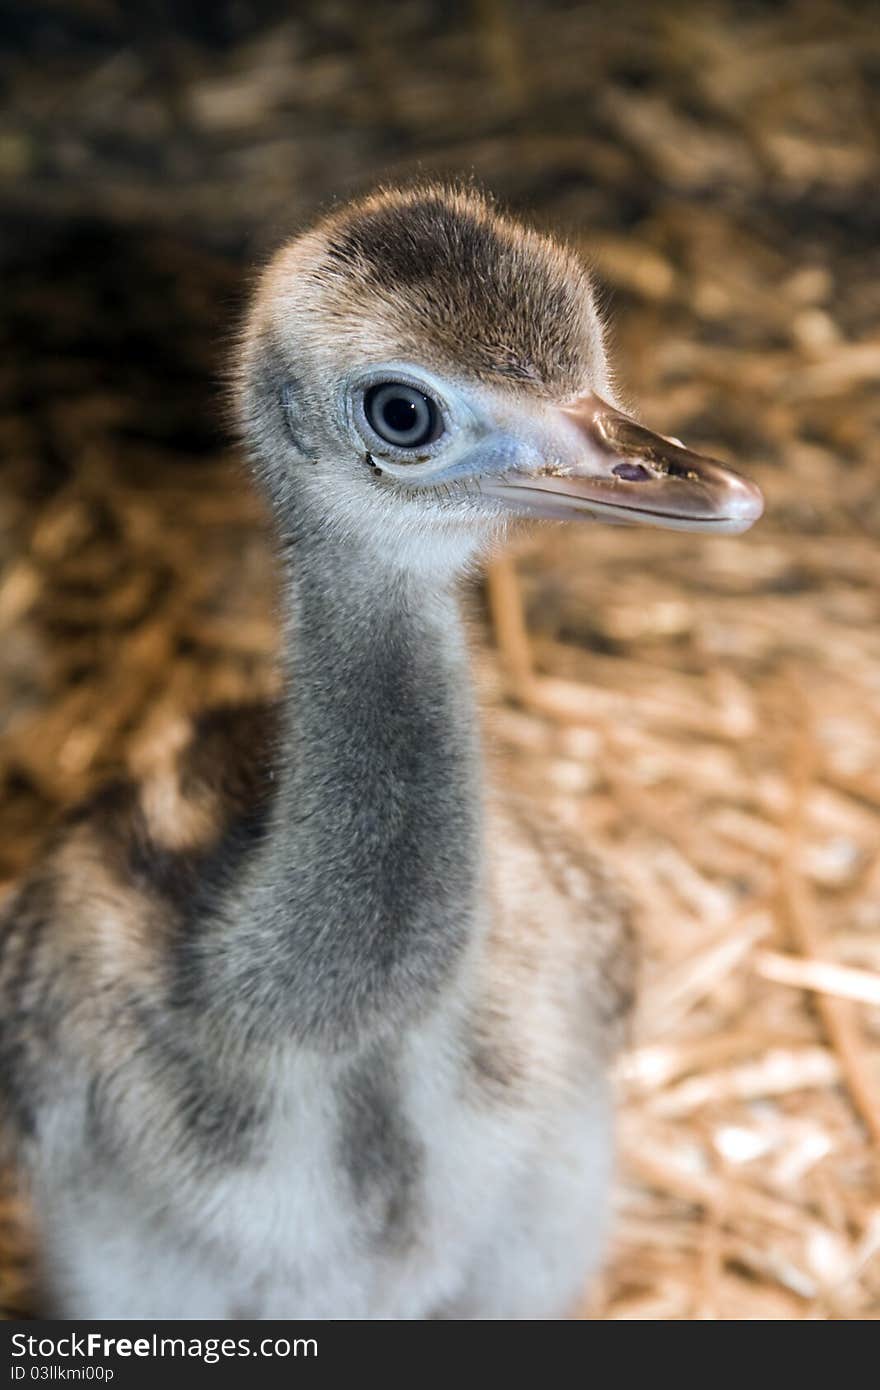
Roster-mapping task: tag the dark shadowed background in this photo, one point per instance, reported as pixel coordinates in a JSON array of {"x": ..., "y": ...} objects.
[{"x": 707, "y": 712}]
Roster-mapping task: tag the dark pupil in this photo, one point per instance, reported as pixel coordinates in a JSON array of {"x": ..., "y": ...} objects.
[{"x": 400, "y": 414}]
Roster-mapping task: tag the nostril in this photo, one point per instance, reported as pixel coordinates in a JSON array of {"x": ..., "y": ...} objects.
[{"x": 632, "y": 472}]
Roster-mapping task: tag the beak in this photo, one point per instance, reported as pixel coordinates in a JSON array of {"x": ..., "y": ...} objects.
[{"x": 615, "y": 470}]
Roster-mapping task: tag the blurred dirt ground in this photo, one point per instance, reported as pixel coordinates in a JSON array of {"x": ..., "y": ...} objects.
[{"x": 705, "y": 712}]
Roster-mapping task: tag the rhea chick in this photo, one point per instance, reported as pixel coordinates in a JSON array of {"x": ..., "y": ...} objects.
[{"x": 306, "y": 1023}]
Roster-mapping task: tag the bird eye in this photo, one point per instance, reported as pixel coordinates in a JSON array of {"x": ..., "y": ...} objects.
[{"x": 402, "y": 415}]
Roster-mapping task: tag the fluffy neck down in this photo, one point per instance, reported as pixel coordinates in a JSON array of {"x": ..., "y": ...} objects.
[{"x": 364, "y": 893}]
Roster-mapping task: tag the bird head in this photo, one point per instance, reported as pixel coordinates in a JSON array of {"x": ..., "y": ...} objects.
[{"x": 419, "y": 369}]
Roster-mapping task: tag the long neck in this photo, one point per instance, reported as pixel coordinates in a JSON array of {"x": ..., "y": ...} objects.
[{"x": 365, "y": 892}]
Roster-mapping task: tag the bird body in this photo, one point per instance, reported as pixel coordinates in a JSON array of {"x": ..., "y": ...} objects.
[
  {"x": 454, "y": 1164},
  {"x": 306, "y": 1021}
]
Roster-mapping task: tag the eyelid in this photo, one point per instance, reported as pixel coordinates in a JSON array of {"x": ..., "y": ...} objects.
[{"x": 381, "y": 373}]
